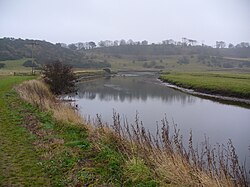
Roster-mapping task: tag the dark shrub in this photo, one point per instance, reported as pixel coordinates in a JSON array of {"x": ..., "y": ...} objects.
[
  {"x": 2, "y": 65},
  {"x": 183, "y": 60},
  {"x": 59, "y": 77}
]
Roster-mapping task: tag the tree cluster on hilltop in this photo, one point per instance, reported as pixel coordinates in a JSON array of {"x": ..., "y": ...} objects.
[
  {"x": 172, "y": 49},
  {"x": 92, "y": 55},
  {"x": 184, "y": 42},
  {"x": 43, "y": 52}
]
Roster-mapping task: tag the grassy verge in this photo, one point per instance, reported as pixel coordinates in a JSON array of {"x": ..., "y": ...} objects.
[
  {"x": 225, "y": 84},
  {"x": 19, "y": 163},
  {"x": 65, "y": 150},
  {"x": 47, "y": 144}
]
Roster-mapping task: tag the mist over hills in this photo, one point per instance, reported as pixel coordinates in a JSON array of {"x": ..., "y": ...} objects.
[
  {"x": 45, "y": 52},
  {"x": 88, "y": 55}
]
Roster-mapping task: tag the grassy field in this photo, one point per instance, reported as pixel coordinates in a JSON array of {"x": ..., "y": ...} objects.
[
  {"x": 194, "y": 63},
  {"x": 12, "y": 66},
  {"x": 155, "y": 63},
  {"x": 225, "y": 84}
]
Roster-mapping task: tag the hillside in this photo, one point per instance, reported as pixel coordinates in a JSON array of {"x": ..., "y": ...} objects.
[
  {"x": 44, "y": 52},
  {"x": 130, "y": 57},
  {"x": 171, "y": 49},
  {"x": 174, "y": 57}
]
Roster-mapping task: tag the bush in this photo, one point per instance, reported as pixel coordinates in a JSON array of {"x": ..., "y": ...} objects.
[
  {"x": 228, "y": 65},
  {"x": 28, "y": 63},
  {"x": 59, "y": 77},
  {"x": 183, "y": 60},
  {"x": 2, "y": 65}
]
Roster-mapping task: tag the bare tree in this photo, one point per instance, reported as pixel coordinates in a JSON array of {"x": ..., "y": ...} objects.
[
  {"x": 220, "y": 44},
  {"x": 230, "y": 46},
  {"x": 72, "y": 47},
  {"x": 144, "y": 42},
  {"x": 116, "y": 43},
  {"x": 92, "y": 45},
  {"x": 123, "y": 42},
  {"x": 192, "y": 42},
  {"x": 130, "y": 42}
]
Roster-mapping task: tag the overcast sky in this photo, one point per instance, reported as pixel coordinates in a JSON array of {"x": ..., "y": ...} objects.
[{"x": 71, "y": 21}]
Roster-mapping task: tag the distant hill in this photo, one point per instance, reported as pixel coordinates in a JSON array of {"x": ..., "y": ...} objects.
[
  {"x": 161, "y": 49},
  {"x": 130, "y": 57},
  {"x": 45, "y": 52},
  {"x": 175, "y": 57}
]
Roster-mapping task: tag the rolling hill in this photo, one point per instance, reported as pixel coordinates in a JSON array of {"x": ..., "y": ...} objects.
[{"x": 130, "y": 57}]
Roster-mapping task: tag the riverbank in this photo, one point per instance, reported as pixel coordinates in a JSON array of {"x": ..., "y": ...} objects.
[
  {"x": 19, "y": 161},
  {"x": 75, "y": 152},
  {"x": 224, "y": 86},
  {"x": 56, "y": 147},
  {"x": 83, "y": 75}
]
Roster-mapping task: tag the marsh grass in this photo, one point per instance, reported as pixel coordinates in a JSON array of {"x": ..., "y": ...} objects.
[
  {"x": 172, "y": 162},
  {"x": 37, "y": 93},
  {"x": 129, "y": 155},
  {"x": 225, "y": 84}
]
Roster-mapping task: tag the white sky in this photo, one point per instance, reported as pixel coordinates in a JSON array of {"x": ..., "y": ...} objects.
[{"x": 71, "y": 21}]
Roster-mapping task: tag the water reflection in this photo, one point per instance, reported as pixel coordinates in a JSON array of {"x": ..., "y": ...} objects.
[
  {"x": 144, "y": 94},
  {"x": 131, "y": 89}
]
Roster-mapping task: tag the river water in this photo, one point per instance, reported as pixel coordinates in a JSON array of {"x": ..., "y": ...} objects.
[{"x": 142, "y": 93}]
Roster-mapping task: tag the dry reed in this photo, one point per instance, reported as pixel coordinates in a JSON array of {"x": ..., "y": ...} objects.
[
  {"x": 36, "y": 92},
  {"x": 171, "y": 162}
]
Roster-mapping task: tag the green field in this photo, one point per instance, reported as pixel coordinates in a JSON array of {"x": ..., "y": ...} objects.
[
  {"x": 225, "y": 84},
  {"x": 170, "y": 63},
  {"x": 12, "y": 66},
  {"x": 157, "y": 63}
]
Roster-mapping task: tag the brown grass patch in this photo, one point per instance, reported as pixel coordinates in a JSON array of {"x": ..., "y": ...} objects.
[
  {"x": 170, "y": 162},
  {"x": 37, "y": 93}
]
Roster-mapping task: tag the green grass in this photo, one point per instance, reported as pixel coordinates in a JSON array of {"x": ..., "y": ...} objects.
[
  {"x": 14, "y": 66},
  {"x": 226, "y": 84},
  {"x": 238, "y": 59},
  {"x": 169, "y": 63},
  {"x": 163, "y": 62},
  {"x": 19, "y": 162},
  {"x": 34, "y": 150},
  {"x": 37, "y": 150}
]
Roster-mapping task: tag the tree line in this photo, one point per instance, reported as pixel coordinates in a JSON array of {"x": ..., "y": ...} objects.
[
  {"x": 45, "y": 52},
  {"x": 184, "y": 42}
]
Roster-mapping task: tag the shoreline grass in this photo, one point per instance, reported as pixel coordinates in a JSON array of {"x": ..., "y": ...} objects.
[
  {"x": 75, "y": 152},
  {"x": 224, "y": 84},
  {"x": 121, "y": 154}
]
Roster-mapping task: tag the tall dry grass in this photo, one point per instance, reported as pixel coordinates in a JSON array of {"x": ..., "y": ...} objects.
[
  {"x": 172, "y": 162},
  {"x": 164, "y": 153},
  {"x": 36, "y": 92}
]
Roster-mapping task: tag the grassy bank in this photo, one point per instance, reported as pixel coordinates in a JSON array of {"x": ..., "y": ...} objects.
[
  {"x": 19, "y": 162},
  {"x": 47, "y": 143},
  {"x": 66, "y": 150},
  {"x": 225, "y": 84}
]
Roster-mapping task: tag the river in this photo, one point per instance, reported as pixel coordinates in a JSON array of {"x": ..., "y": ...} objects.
[{"x": 143, "y": 93}]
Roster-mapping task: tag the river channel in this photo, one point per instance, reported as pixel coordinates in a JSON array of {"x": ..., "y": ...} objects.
[{"x": 143, "y": 93}]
